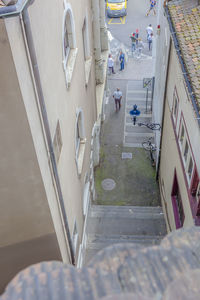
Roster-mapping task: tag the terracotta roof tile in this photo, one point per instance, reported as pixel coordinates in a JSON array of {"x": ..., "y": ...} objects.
[{"x": 186, "y": 20}]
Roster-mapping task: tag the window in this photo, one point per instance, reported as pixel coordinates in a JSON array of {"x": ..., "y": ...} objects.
[
  {"x": 86, "y": 50},
  {"x": 57, "y": 142},
  {"x": 80, "y": 140},
  {"x": 69, "y": 43},
  {"x": 177, "y": 204},
  {"x": 84, "y": 39},
  {"x": 75, "y": 237},
  {"x": 181, "y": 137},
  {"x": 198, "y": 199},
  {"x": 86, "y": 195},
  {"x": 175, "y": 105},
  {"x": 186, "y": 151},
  {"x": 190, "y": 168}
]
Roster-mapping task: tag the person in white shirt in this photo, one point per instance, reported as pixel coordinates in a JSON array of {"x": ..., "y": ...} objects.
[
  {"x": 111, "y": 64},
  {"x": 149, "y": 31},
  {"x": 117, "y": 96}
]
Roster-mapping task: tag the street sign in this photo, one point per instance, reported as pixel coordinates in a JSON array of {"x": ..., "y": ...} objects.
[{"x": 147, "y": 82}]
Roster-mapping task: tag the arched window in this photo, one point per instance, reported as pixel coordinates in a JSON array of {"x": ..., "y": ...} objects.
[
  {"x": 86, "y": 49},
  {"x": 80, "y": 140},
  {"x": 69, "y": 43}
]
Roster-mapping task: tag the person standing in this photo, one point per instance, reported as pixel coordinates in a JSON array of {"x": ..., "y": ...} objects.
[
  {"x": 117, "y": 97},
  {"x": 149, "y": 30},
  {"x": 150, "y": 40},
  {"x": 152, "y": 7},
  {"x": 140, "y": 46},
  {"x": 133, "y": 41},
  {"x": 137, "y": 35},
  {"x": 122, "y": 60},
  {"x": 111, "y": 64}
]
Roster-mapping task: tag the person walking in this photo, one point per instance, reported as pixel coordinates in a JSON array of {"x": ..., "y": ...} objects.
[
  {"x": 111, "y": 64},
  {"x": 122, "y": 60},
  {"x": 117, "y": 97},
  {"x": 133, "y": 42},
  {"x": 152, "y": 7},
  {"x": 137, "y": 35},
  {"x": 149, "y": 30},
  {"x": 150, "y": 40},
  {"x": 140, "y": 46}
]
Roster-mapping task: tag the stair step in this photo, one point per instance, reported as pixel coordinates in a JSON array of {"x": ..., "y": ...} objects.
[
  {"x": 132, "y": 145},
  {"x": 100, "y": 238},
  {"x": 136, "y": 139},
  {"x": 136, "y": 128},
  {"x": 137, "y": 225},
  {"x": 128, "y": 208}
]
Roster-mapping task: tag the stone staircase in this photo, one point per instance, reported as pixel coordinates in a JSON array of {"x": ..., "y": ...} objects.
[
  {"x": 133, "y": 134},
  {"x": 107, "y": 225}
]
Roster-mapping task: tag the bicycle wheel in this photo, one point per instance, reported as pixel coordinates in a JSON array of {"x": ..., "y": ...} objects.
[
  {"x": 153, "y": 126},
  {"x": 147, "y": 145}
]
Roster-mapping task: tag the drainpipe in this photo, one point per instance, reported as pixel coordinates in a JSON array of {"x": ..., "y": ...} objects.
[
  {"x": 97, "y": 42},
  {"x": 103, "y": 29},
  {"x": 26, "y": 28},
  {"x": 184, "y": 71}
]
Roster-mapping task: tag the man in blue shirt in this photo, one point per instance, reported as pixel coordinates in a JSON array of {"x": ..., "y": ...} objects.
[{"x": 152, "y": 7}]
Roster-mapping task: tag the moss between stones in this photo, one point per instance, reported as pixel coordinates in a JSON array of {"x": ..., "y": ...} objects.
[{"x": 135, "y": 178}]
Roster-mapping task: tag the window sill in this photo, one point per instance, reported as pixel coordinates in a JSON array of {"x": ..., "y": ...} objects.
[
  {"x": 69, "y": 66},
  {"x": 80, "y": 156},
  {"x": 88, "y": 64}
]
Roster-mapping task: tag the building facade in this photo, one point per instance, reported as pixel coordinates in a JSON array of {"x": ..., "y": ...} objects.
[
  {"x": 179, "y": 160},
  {"x": 53, "y": 70}
]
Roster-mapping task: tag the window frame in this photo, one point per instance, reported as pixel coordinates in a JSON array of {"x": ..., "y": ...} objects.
[
  {"x": 80, "y": 140},
  {"x": 69, "y": 56},
  {"x": 176, "y": 203}
]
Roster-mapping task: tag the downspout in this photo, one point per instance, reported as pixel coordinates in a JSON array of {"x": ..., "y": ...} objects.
[
  {"x": 25, "y": 21},
  {"x": 185, "y": 74}
]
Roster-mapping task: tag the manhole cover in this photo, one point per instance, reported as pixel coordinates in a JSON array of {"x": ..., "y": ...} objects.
[
  {"x": 127, "y": 155},
  {"x": 108, "y": 184}
]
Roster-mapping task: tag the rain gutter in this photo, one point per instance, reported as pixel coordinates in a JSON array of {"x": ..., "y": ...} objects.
[
  {"x": 21, "y": 9},
  {"x": 185, "y": 74},
  {"x": 12, "y": 10}
]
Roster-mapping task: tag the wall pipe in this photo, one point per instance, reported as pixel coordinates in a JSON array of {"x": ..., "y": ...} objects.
[
  {"x": 185, "y": 74},
  {"x": 26, "y": 21}
]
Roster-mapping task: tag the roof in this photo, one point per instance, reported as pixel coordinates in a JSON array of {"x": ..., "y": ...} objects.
[
  {"x": 185, "y": 15},
  {"x": 125, "y": 271}
]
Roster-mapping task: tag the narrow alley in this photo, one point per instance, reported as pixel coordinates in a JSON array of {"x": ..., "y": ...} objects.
[{"x": 127, "y": 208}]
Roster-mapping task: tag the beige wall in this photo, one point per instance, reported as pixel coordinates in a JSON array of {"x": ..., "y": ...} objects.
[
  {"x": 61, "y": 103},
  {"x": 170, "y": 157},
  {"x": 27, "y": 234},
  {"x": 24, "y": 210}
]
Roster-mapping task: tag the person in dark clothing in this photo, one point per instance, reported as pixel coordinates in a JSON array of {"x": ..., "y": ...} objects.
[{"x": 122, "y": 60}]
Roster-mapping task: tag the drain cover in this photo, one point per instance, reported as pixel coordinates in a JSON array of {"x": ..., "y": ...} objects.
[
  {"x": 108, "y": 184},
  {"x": 127, "y": 155}
]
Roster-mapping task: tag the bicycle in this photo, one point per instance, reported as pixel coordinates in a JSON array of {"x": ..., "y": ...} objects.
[
  {"x": 147, "y": 145},
  {"x": 152, "y": 126}
]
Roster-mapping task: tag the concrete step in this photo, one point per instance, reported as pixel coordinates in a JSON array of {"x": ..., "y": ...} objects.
[
  {"x": 138, "y": 101},
  {"x": 136, "y": 138},
  {"x": 132, "y": 145},
  {"x": 139, "y": 134},
  {"x": 125, "y": 209},
  {"x": 111, "y": 223},
  {"x": 100, "y": 241},
  {"x": 135, "y": 128},
  {"x": 142, "y": 118}
]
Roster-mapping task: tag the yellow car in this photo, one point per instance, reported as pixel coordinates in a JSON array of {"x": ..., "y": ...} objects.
[{"x": 116, "y": 8}]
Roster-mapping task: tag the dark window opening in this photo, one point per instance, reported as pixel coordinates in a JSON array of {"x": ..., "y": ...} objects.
[{"x": 177, "y": 204}]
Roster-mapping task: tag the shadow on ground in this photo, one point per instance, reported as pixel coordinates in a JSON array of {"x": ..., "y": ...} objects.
[{"x": 134, "y": 178}]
